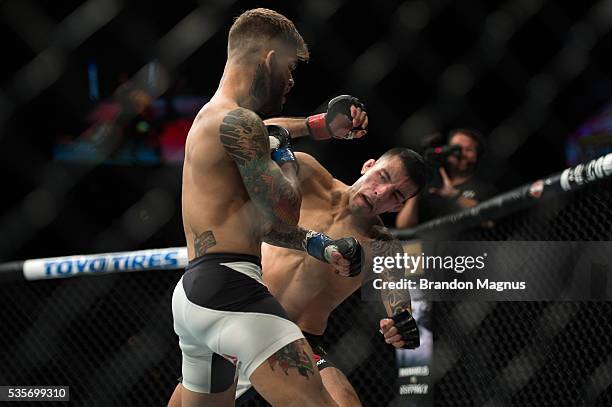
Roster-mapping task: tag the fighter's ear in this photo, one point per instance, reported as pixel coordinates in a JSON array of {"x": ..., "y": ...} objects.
[
  {"x": 270, "y": 59},
  {"x": 367, "y": 165}
]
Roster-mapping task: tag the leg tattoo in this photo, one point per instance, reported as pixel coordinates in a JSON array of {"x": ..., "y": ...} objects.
[{"x": 293, "y": 356}]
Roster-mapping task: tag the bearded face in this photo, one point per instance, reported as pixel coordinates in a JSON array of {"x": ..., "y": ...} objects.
[
  {"x": 277, "y": 84},
  {"x": 272, "y": 81}
]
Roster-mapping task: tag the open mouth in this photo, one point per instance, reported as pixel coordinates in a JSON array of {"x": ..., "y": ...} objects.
[{"x": 367, "y": 201}]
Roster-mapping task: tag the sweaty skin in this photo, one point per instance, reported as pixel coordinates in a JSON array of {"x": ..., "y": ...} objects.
[{"x": 307, "y": 288}]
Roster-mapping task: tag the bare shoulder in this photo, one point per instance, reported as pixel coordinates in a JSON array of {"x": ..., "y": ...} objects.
[
  {"x": 225, "y": 127},
  {"x": 222, "y": 118},
  {"x": 240, "y": 117},
  {"x": 310, "y": 167},
  {"x": 380, "y": 232}
]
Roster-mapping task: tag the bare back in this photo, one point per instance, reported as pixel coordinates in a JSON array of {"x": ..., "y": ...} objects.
[
  {"x": 218, "y": 215},
  {"x": 308, "y": 289}
]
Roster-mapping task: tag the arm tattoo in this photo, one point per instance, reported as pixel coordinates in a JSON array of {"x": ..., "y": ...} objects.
[
  {"x": 395, "y": 300},
  {"x": 237, "y": 133},
  {"x": 202, "y": 242},
  {"x": 293, "y": 356},
  {"x": 245, "y": 139},
  {"x": 291, "y": 237}
]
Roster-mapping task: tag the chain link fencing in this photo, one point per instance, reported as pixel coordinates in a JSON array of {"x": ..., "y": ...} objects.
[
  {"x": 110, "y": 338},
  {"x": 528, "y": 71}
]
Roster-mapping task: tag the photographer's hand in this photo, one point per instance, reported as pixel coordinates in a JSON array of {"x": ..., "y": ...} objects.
[{"x": 447, "y": 191}]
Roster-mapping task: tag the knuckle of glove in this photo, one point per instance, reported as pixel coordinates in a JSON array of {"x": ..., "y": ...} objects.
[
  {"x": 351, "y": 250},
  {"x": 281, "y": 134},
  {"x": 357, "y": 103},
  {"x": 342, "y": 105},
  {"x": 407, "y": 328},
  {"x": 282, "y": 153}
]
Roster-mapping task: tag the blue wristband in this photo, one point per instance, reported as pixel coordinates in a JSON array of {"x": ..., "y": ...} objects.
[
  {"x": 315, "y": 245},
  {"x": 283, "y": 155}
]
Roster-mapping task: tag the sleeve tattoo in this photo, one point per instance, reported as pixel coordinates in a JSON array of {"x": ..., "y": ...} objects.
[
  {"x": 245, "y": 139},
  {"x": 291, "y": 237},
  {"x": 395, "y": 300}
]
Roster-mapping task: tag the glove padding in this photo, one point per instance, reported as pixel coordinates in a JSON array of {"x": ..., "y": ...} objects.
[
  {"x": 279, "y": 136},
  {"x": 280, "y": 145},
  {"x": 319, "y": 124},
  {"x": 321, "y": 246},
  {"x": 407, "y": 327}
]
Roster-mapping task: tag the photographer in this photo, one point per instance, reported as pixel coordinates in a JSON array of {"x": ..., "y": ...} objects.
[{"x": 455, "y": 185}]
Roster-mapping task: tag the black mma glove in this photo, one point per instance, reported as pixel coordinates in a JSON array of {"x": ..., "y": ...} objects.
[
  {"x": 407, "y": 327},
  {"x": 319, "y": 124},
  {"x": 280, "y": 144},
  {"x": 321, "y": 246}
]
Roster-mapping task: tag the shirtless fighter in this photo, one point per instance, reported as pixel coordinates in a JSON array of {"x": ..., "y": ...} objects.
[
  {"x": 234, "y": 193},
  {"x": 307, "y": 289},
  {"x": 305, "y": 286}
]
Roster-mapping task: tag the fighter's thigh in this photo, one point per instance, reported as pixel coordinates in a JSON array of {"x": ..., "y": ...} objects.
[
  {"x": 339, "y": 387},
  {"x": 290, "y": 378},
  {"x": 175, "y": 399},
  {"x": 188, "y": 398}
]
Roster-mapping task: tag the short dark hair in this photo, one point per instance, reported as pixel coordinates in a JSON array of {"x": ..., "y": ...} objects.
[
  {"x": 414, "y": 165},
  {"x": 261, "y": 23},
  {"x": 474, "y": 134}
]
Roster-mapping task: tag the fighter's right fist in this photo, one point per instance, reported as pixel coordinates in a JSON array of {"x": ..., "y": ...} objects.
[
  {"x": 344, "y": 254},
  {"x": 280, "y": 146},
  {"x": 279, "y": 136},
  {"x": 346, "y": 118}
]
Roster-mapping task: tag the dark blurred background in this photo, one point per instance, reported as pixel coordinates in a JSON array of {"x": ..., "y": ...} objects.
[
  {"x": 528, "y": 74},
  {"x": 96, "y": 97}
]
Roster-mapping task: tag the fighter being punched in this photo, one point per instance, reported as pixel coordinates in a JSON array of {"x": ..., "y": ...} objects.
[
  {"x": 307, "y": 289},
  {"x": 233, "y": 194},
  {"x": 298, "y": 275}
]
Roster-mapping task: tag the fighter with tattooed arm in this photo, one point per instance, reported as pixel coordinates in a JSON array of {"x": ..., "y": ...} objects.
[
  {"x": 227, "y": 322},
  {"x": 307, "y": 288}
]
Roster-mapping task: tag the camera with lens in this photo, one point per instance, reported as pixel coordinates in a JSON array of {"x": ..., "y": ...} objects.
[{"x": 435, "y": 157}]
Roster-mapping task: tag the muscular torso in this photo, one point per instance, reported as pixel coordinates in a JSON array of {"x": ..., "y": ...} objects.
[
  {"x": 308, "y": 289},
  {"x": 217, "y": 213}
]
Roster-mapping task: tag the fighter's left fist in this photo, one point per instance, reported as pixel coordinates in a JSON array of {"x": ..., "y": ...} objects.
[
  {"x": 401, "y": 330},
  {"x": 346, "y": 118}
]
